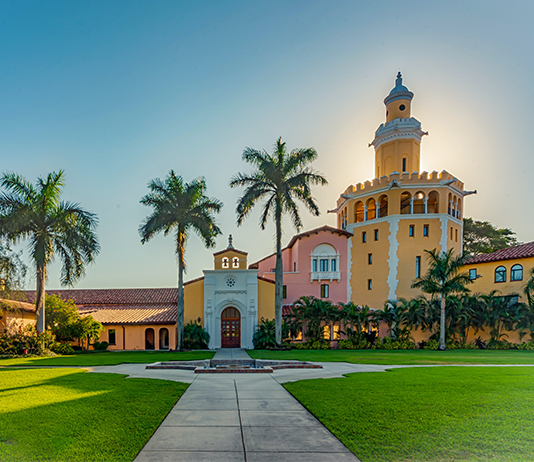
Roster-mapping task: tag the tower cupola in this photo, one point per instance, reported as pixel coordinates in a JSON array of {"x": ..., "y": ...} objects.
[{"x": 398, "y": 102}]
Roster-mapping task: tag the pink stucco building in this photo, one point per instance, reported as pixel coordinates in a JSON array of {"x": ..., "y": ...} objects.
[{"x": 314, "y": 263}]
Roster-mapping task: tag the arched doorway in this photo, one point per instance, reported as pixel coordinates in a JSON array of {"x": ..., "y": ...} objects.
[
  {"x": 164, "y": 339},
  {"x": 149, "y": 339},
  {"x": 230, "y": 328}
]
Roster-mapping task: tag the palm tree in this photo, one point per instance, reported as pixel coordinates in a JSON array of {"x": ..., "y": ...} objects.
[
  {"x": 181, "y": 207},
  {"x": 502, "y": 313},
  {"x": 52, "y": 226},
  {"x": 278, "y": 179},
  {"x": 529, "y": 288},
  {"x": 443, "y": 279}
]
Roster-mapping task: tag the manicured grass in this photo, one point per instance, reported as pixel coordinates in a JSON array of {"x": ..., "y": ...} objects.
[
  {"x": 109, "y": 358},
  {"x": 428, "y": 414},
  {"x": 73, "y": 415},
  {"x": 402, "y": 356}
]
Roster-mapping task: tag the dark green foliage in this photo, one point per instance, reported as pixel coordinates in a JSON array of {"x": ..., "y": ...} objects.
[
  {"x": 483, "y": 237},
  {"x": 12, "y": 272},
  {"x": 24, "y": 340},
  {"x": 265, "y": 335},
  {"x": 100, "y": 346},
  {"x": 195, "y": 337},
  {"x": 62, "y": 348}
]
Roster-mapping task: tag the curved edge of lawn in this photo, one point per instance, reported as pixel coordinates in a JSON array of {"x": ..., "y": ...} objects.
[
  {"x": 109, "y": 358},
  {"x": 401, "y": 357}
]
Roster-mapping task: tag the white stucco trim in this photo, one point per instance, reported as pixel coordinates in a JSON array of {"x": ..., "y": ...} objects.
[
  {"x": 445, "y": 231},
  {"x": 393, "y": 260},
  {"x": 349, "y": 269}
]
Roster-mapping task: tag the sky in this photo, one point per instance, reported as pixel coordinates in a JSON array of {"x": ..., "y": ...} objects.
[{"x": 117, "y": 93}]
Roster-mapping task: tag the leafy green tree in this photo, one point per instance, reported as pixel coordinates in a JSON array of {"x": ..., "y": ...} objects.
[
  {"x": 12, "y": 272},
  {"x": 483, "y": 237},
  {"x": 195, "y": 336},
  {"x": 465, "y": 311},
  {"x": 502, "y": 313},
  {"x": 356, "y": 319},
  {"x": 316, "y": 313},
  {"x": 278, "y": 179},
  {"x": 86, "y": 328},
  {"x": 53, "y": 228},
  {"x": 183, "y": 208},
  {"x": 62, "y": 318},
  {"x": 443, "y": 279}
]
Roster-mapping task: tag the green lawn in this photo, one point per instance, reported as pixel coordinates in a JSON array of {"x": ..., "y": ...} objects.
[
  {"x": 402, "y": 356},
  {"x": 109, "y": 358},
  {"x": 73, "y": 415},
  {"x": 428, "y": 414}
]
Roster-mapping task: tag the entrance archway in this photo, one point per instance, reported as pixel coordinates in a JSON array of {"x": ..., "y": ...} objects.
[
  {"x": 230, "y": 328},
  {"x": 149, "y": 339}
]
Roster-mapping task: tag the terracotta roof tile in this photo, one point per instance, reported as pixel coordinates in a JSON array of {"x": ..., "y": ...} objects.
[
  {"x": 16, "y": 305},
  {"x": 517, "y": 251},
  {"x": 133, "y": 314},
  {"x": 114, "y": 296}
]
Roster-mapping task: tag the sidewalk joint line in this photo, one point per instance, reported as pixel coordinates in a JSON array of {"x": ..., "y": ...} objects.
[{"x": 240, "y": 423}]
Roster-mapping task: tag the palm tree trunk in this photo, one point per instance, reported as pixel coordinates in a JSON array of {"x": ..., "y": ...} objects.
[
  {"x": 40, "y": 298},
  {"x": 442, "y": 345},
  {"x": 180, "y": 307},
  {"x": 278, "y": 277}
]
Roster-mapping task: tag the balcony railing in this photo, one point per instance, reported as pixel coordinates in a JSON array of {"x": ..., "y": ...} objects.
[{"x": 325, "y": 276}]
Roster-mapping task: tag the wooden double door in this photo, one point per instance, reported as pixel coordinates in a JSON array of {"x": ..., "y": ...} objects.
[{"x": 230, "y": 328}]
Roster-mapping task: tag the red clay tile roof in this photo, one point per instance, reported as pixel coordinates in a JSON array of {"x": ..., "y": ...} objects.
[
  {"x": 132, "y": 314},
  {"x": 517, "y": 251},
  {"x": 114, "y": 296},
  {"x": 16, "y": 305}
]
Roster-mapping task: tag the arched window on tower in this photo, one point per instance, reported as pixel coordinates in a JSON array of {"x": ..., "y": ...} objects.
[
  {"x": 225, "y": 262},
  {"x": 371, "y": 209},
  {"x": 383, "y": 201},
  {"x": 419, "y": 202},
  {"x": 235, "y": 262},
  {"x": 404, "y": 164},
  {"x": 405, "y": 204},
  {"x": 358, "y": 212},
  {"x": 433, "y": 202}
]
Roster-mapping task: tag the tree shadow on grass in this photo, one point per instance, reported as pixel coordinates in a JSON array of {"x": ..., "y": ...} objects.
[{"x": 71, "y": 415}]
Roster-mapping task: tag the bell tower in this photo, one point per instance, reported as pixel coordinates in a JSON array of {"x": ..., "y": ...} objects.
[{"x": 397, "y": 143}]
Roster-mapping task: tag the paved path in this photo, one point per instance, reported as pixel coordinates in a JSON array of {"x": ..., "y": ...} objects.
[{"x": 240, "y": 417}]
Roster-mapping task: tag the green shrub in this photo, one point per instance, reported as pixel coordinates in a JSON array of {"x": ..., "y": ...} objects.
[
  {"x": 265, "y": 335},
  {"x": 499, "y": 345},
  {"x": 61, "y": 348},
  {"x": 355, "y": 344},
  {"x": 386, "y": 343},
  {"x": 100, "y": 346},
  {"x": 25, "y": 340},
  {"x": 195, "y": 337},
  {"x": 526, "y": 345}
]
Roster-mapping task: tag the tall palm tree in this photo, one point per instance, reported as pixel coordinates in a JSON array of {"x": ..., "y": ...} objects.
[
  {"x": 442, "y": 279},
  {"x": 53, "y": 227},
  {"x": 529, "y": 288},
  {"x": 278, "y": 179},
  {"x": 181, "y": 207}
]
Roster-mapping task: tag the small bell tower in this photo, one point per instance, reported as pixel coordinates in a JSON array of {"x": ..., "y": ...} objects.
[{"x": 397, "y": 143}]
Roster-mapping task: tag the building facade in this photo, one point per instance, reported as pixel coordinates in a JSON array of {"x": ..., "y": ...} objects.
[
  {"x": 399, "y": 214},
  {"x": 313, "y": 263}
]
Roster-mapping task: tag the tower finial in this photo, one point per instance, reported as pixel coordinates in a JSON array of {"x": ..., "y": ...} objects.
[
  {"x": 230, "y": 242},
  {"x": 399, "y": 79}
]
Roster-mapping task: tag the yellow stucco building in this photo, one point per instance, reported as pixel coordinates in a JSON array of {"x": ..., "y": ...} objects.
[{"x": 400, "y": 213}]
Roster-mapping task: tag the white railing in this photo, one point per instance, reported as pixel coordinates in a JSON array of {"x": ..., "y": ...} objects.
[{"x": 325, "y": 275}]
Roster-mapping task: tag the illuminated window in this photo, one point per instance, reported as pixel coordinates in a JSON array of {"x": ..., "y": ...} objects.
[
  {"x": 336, "y": 333},
  {"x": 326, "y": 332},
  {"x": 225, "y": 262},
  {"x": 235, "y": 262}
]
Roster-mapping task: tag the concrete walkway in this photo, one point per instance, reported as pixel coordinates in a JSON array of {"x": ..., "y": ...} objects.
[{"x": 240, "y": 417}]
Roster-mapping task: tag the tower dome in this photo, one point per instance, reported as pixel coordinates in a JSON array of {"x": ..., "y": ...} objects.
[{"x": 399, "y": 91}]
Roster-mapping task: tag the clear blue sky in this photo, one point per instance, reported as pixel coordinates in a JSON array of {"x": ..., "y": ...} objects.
[{"x": 119, "y": 92}]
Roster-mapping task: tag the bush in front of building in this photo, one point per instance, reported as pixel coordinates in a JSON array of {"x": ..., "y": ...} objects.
[
  {"x": 195, "y": 337},
  {"x": 25, "y": 341},
  {"x": 61, "y": 348}
]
